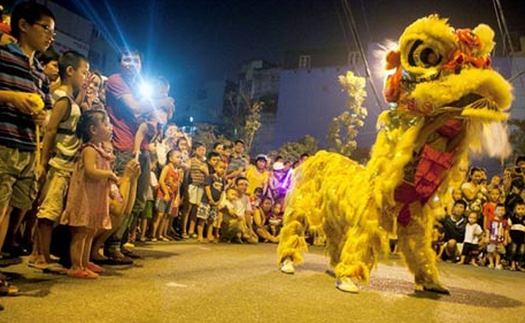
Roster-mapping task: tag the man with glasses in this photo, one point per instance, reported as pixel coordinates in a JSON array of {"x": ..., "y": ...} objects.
[{"x": 24, "y": 96}]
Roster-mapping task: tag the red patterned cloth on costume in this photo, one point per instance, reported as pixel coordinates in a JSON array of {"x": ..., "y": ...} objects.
[{"x": 88, "y": 200}]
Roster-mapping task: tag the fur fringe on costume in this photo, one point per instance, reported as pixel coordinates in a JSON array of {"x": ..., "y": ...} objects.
[{"x": 445, "y": 101}]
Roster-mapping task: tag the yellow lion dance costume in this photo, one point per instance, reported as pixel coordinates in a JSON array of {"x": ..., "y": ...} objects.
[{"x": 445, "y": 99}]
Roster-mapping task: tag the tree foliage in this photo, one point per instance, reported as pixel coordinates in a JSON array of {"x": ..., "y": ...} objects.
[
  {"x": 343, "y": 130},
  {"x": 252, "y": 123},
  {"x": 206, "y": 133},
  {"x": 293, "y": 150},
  {"x": 244, "y": 117}
]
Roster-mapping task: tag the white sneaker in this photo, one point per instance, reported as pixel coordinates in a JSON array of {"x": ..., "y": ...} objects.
[
  {"x": 346, "y": 284},
  {"x": 287, "y": 266}
]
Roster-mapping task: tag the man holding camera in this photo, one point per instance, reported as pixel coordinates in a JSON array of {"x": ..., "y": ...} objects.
[{"x": 124, "y": 105}]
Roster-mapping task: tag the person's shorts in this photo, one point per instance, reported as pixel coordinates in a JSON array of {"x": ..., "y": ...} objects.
[
  {"x": 195, "y": 194},
  {"x": 167, "y": 207},
  {"x": 54, "y": 194},
  {"x": 18, "y": 184},
  {"x": 496, "y": 247},
  {"x": 162, "y": 206},
  {"x": 207, "y": 212},
  {"x": 148, "y": 211}
]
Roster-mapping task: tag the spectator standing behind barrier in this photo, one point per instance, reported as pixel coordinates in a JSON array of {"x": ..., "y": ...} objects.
[
  {"x": 147, "y": 133},
  {"x": 24, "y": 94},
  {"x": 473, "y": 234},
  {"x": 218, "y": 147},
  {"x": 195, "y": 189},
  {"x": 489, "y": 208},
  {"x": 226, "y": 154},
  {"x": 212, "y": 159},
  {"x": 498, "y": 237},
  {"x": 279, "y": 184},
  {"x": 237, "y": 163},
  {"x": 517, "y": 236},
  {"x": 49, "y": 61},
  {"x": 168, "y": 142},
  {"x": 124, "y": 104},
  {"x": 87, "y": 205},
  {"x": 258, "y": 176},
  {"x": 59, "y": 154},
  {"x": 184, "y": 146},
  {"x": 515, "y": 194},
  {"x": 474, "y": 190},
  {"x": 207, "y": 213},
  {"x": 168, "y": 195},
  {"x": 92, "y": 96}
]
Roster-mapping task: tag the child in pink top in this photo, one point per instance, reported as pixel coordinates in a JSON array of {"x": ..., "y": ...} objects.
[{"x": 87, "y": 206}]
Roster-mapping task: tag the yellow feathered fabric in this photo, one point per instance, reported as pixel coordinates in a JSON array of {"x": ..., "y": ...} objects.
[{"x": 447, "y": 106}]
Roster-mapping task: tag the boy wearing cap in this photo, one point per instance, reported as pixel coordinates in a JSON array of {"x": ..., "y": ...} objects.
[{"x": 258, "y": 175}]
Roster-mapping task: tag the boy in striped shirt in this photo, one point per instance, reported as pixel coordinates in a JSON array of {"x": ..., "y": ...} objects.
[{"x": 24, "y": 93}]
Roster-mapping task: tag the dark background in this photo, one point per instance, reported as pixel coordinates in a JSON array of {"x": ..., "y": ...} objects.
[{"x": 209, "y": 39}]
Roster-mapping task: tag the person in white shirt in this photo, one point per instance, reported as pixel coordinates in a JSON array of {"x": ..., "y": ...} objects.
[{"x": 473, "y": 233}]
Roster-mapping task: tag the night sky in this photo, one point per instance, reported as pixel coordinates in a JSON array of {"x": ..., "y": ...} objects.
[{"x": 210, "y": 39}]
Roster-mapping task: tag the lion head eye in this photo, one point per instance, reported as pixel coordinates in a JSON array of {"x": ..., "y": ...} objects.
[
  {"x": 423, "y": 56},
  {"x": 429, "y": 58}
]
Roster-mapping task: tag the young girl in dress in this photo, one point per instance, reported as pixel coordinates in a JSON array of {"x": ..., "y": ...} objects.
[
  {"x": 87, "y": 206},
  {"x": 168, "y": 195}
]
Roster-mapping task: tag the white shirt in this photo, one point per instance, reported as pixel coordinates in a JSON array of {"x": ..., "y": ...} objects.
[
  {"x": 472, "y": 232},
  {"x": 242, "y": 205}
]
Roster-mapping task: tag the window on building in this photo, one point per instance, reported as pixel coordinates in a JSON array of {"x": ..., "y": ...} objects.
[{"x": 304, "y": 61}]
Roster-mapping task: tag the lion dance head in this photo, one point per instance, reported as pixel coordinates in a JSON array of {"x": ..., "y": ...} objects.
[{"x": 441, "y": 69}]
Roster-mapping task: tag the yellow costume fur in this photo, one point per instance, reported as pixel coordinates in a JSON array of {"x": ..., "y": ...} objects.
[{"x": 444, "y": 100}]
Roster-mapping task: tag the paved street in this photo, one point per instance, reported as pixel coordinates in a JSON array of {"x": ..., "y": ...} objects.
[{"x": 188, "y": 282}]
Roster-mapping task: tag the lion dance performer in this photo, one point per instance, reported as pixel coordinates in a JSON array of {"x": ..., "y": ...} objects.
[{"x": 444, "y": 101}]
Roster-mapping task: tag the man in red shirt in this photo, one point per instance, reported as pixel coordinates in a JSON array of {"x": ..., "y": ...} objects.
[{"x": 124, "y": 105}]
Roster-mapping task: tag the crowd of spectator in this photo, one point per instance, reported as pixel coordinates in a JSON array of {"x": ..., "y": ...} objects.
[
  {"x": 485, "y": 223},
  {"x": 90, "y": 167}
]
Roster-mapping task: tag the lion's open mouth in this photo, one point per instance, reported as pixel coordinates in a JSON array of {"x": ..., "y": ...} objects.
[
  {"x": 465, "y": 100},
  {"x": 474, "y": 101}
]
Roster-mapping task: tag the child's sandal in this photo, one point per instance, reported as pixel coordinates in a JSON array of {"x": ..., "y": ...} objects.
[{"x": 7, "y": 289}]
